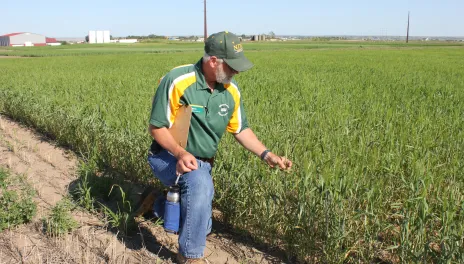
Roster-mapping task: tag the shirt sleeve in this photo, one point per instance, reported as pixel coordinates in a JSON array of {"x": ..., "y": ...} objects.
[
  {"x": 238, "y": 122},
  {"x": 160, "y": 107}
]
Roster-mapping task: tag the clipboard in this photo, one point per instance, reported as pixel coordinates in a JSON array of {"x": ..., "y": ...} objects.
[
  {"x": 181, "y": 126},
  {"x": 179, "y": 131}
]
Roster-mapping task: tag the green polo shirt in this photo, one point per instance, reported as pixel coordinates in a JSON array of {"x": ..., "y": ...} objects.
[{"x": 212, "y": 112}]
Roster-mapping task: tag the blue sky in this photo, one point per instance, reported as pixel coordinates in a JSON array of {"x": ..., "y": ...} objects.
[{"x": 185, "y": 17}]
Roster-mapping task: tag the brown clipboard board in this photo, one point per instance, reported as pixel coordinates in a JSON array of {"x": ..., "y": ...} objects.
[{"x": 180, "y": 129}]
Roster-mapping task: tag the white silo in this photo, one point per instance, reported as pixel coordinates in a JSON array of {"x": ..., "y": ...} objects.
[
  {"x": 106, "y": 36},
  {"x": 92, "y": 36},
  {"x": 99, "y": 36}
]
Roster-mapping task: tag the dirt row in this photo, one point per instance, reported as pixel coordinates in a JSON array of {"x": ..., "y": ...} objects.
[{"x": 50, "y": 170}]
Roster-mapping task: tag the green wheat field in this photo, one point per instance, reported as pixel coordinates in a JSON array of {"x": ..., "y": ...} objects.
[{"x": 375, "y": 131}]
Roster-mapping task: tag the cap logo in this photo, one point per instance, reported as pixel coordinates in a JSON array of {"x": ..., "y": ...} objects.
[{"x": 238, "y": 48}]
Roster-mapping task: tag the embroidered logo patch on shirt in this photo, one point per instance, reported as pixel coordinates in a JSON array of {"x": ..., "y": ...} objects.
[{"x": 223, "y": 109}]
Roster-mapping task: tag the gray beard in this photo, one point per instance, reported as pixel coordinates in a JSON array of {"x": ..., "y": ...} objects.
[{"x": 221, "y": 76}]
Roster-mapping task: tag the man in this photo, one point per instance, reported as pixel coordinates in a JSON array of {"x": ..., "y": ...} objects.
[{"x": 209, "y": 88}]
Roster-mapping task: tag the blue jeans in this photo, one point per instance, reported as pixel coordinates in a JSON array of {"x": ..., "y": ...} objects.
[{"x": 196, "y": 196}]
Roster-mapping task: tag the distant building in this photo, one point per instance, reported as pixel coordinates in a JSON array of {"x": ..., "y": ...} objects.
[
  {"x": 25, "y": 39},
  {"x": 261, "y": 37},
  {"x": 126, "y": 41},
  {"x": 99, "y": 36}
]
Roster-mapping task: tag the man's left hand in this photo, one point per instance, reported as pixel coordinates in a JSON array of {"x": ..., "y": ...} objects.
[{"x": 273, "y": 160}]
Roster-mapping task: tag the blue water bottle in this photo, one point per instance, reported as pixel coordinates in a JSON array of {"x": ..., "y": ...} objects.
[{"x": 172, "y": 210}]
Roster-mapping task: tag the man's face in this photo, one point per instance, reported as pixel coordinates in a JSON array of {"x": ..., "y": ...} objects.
[{"x": 224, "y": 73}]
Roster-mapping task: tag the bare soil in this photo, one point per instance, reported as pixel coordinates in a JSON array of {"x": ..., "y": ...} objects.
[{"x": 50, "y": 170}]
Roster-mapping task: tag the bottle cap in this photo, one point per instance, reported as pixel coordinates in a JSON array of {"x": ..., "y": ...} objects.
[{"x": 174, "y": 189}]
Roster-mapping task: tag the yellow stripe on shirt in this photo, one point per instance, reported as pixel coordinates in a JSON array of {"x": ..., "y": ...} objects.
[
  {"x": 235, "y": 122},
  {"x": 176, "y": 90},
  {"x": 185, "y": 65}
]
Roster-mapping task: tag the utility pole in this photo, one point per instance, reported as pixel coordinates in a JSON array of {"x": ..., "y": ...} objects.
[
  {"x": 407, "y": 33},
  {"x": 206, "y": 30}
]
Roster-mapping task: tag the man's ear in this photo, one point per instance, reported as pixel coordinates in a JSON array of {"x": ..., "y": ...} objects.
[{"x": 213, "y": 60}]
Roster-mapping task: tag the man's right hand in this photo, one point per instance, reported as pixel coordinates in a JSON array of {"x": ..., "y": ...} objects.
[{"x": 186, "y": 162}]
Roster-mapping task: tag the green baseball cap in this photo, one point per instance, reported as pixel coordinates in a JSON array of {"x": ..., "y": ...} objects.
[{"x": 226, "y": 45}]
